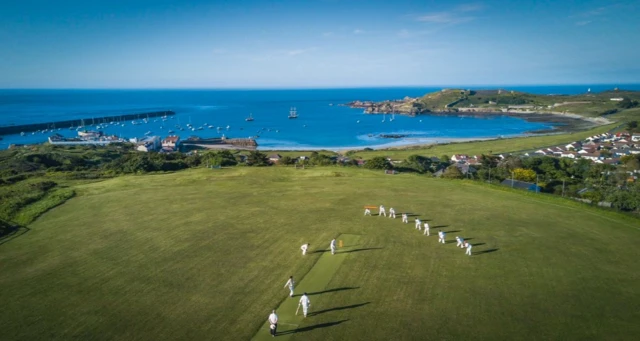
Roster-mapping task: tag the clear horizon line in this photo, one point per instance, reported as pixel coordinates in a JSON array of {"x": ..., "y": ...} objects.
[{"x": 465, "y": 86}]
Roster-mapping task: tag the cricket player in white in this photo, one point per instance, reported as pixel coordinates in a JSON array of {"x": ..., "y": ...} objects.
[
  {"x": 273, "y": 323},
  {"x": 468, "y": 252},
  {"x": 290, "y": 283},
  {"x": 382, "y": 211},
  {"x": 367, "y": 211},
  {"x": 405, "y": 218},
  {"x": 459, "y": 242},
  {"x": 305, "y": 303},
  {"x": 426, "y": 229},
  {"x": 441, "y": 236},
  {"x": 462, "y": 243},
  {"x": 304, "y": 248},
  {"x": 392, "y": 213},
  {"x": 333, "y": 246},
  {"x": 418, "y": 224}
]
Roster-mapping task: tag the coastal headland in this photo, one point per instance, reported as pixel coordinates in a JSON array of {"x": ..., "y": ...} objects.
[
  {"x": 24, "y": 128},
  {"x": 565, "y": 112}
]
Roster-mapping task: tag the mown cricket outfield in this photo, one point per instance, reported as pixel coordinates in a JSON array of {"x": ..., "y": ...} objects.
[{"x": 204, "y": 254}]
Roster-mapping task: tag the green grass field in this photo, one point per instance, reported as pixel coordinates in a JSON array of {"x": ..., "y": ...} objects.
[{"x": 204, "y": 254}]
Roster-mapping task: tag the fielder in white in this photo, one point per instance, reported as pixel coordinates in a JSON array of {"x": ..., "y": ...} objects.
[
  {"x": 305, "y": 303},
  {"x": 304, "y": 248},
  {"x": 392, "y": 213},
  {"x": 459, "y": 242},
  {"x": 418, "y": 224},
  {"x": 441, "y": 236},
  {"x": 405, "y": 218},
  {"x": 290, "y": 283},
  {"x": 468, "y": 252},
  {"x": 426, "y": 229},
  {"x": 333, "y": 246},
  {"x": 273, "y": 323},
  {"x": 382, "y": 211},
  {"x": 462, "y": 243},
  {"x": 367, "y": 211}
]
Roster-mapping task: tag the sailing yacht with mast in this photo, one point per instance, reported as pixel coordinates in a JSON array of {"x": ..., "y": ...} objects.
[
  {"x": 249, "y": 119},
  {"x": 293, "y": 113}
]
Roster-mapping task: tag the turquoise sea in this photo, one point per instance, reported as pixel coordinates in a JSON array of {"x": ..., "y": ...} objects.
[{"x": 322, "y": 122}]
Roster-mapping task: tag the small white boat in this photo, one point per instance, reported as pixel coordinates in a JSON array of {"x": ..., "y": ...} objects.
[
  {"x": 148, "y": 133},
  {"x": 249, "y": 119}
]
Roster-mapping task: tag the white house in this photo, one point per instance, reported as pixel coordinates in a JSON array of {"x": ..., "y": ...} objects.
[
  {"x": 459, "y": 158},
  {"x": 635, "y": 137},
  {"x": 617, "y": 99},
  {"x": 571, "y": 155},
  {"x": 148, "y": 144},
  {"x": 573, "y": 145}
]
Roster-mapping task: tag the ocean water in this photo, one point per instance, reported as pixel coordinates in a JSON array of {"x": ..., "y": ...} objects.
[{"x": 322, "y": 122}]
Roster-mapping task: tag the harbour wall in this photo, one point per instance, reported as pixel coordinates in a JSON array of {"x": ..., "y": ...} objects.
[{"x": 17, "y": 129}]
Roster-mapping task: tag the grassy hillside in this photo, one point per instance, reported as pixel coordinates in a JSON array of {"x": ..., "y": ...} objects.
[
  {"x": 593, "y": 104},
  {"x": 511, "y": 145},
  {"x": 203, "y": 254}
]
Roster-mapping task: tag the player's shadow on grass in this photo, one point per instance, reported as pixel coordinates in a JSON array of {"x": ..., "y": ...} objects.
[
  {"x": 364, "y": 249},
  {"x": 485, "y": 251},
  {"x": 330, "y": 290},
  {"x": 310, "y": 328},
  {"x": 314, "y": 313},
  {"x": 478, "y": 244},
  {"x": 439, "y": 226},
  {"x": 411, "y": 214}
]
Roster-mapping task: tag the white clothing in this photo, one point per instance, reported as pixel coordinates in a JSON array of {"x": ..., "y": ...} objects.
[
  {"x": 405, "y": 218},
  {"x": 304, "y": 249},
  {"x": 468, "y": 249},
  {"x": 333, "y": 246},
  {"x": 290, "y": 283},
  {"x": 273, "y": 318},
  {"x": 418, "y": 224},
  {"x": 392, "y": 213},
  {"x": 367, "y": 211},
  {"x": 382, "y": 211},
  {"x": 426, "y": 229},
  {"x": 459, "y": 242},
  {"x": 441, "y": 237},
  {"x": 305, "y": 303}
]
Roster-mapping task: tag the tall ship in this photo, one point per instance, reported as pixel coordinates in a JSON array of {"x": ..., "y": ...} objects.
[{"x": 293, "y": 113}]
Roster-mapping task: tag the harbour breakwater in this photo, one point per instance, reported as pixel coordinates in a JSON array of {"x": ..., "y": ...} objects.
[{"x": 23, "y": 128}]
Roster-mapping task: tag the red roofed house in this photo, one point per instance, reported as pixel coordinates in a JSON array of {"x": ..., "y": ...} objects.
[{"x": 170, "y": 142}]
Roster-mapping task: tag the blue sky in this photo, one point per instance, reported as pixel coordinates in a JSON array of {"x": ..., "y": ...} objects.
[{"x": 316, "y": 43}]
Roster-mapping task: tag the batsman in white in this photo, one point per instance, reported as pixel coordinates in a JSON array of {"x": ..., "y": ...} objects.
[
  {"x": 305, "y": 303},
  {"x": 405, "y": 218},
  {"x": 441, "y": 236},
  {"x": 418, "y": 224},
  {"x": 426, "y": 229},
  {"x": 392, "y": 213},
  {"x": 382, "y": 211},
  {"x": 333, "y": 246},
  {"x": 304, "y": 248},
  {"x": 468, "y": 246},
  {"x": 459, "y": 242},
  {"x": 462, "y": 243},
  {"x": 290, "y": 283},
  {"x": 367, "y": 211}
]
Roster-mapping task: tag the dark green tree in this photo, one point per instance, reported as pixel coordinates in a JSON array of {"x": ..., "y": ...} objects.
[{"x": 378, "y": 162}]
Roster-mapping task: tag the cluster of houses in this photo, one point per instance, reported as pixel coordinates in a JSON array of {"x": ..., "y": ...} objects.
[
  {"x": 605, "y": 148},
  {"x": 155, "y": 144},
  {"x": 84, "y": 138}
]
